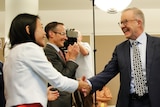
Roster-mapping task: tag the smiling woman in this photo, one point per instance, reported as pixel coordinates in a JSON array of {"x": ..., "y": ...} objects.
[{"x": 27, "y": 70}]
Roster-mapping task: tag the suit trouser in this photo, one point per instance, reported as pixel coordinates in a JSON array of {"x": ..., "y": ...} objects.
[
  {"x": 64, "y": 100},
  {"x": 139, "y": 101}
]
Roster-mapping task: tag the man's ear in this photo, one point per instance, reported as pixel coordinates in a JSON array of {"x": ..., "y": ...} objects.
[
  {"x": 27, "y": 29},
  {"x": 50, "y": 33}
]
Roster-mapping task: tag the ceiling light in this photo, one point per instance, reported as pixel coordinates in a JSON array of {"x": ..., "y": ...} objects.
[{"x": 112, "y": 6}]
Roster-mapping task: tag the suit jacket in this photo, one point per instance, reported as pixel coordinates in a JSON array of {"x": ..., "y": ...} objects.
[
  {"x": 2, "y": 97},
  {"x": 121, "y": 63},
  {"x": 67, "y": 68}
]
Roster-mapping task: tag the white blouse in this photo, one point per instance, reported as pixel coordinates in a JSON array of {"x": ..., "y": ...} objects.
[{"x": 27, "y": 73}]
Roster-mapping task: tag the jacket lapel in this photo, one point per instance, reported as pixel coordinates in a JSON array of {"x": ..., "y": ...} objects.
[
  {"x": 127, "y": 57},
  {"x": 149, "y": 54},
  {"x": 55, "y": 51}
]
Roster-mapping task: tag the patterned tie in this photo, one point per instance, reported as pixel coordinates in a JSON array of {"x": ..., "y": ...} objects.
[
  {"x": 61, "y": 54},
  {"x": 139, "y": 79}
]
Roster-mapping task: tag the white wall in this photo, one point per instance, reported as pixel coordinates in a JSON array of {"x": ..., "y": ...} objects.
[
  {"x": 2, "y": 22},
  {"x": 106, "y": 24}
]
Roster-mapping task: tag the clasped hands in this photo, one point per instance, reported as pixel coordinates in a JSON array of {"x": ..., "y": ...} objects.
[{"x": 84, "y": 86}]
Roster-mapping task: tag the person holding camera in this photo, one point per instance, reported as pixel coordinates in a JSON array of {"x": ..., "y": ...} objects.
[
  {"x": 84, "y": 58},
  {"x": 85, "y": 62},
  {"x": 56, "y": 35}
]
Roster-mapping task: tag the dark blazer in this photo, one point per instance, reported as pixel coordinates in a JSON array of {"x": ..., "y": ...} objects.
[
  {"x": 67, "y": 68},
  {"x": 121, "y": 63},
  {"x": 2, "y": 97}
]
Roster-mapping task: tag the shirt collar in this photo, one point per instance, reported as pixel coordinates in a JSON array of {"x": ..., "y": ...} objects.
[
  {"x": 53, "y": 45},
  {"x": 141, "y": 39}
]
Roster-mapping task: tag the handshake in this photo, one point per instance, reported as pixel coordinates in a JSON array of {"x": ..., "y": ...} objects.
[{"x": 84, "y": 86}]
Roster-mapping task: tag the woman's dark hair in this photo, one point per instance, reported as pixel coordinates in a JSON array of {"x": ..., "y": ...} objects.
[{"x": 17, "y": 32}]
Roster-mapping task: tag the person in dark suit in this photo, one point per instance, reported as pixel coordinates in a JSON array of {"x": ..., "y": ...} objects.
[
  {"x": 56, "y": 35},
  {"x": 132, "y": 24},
  {"x": 2, "y": 97}
]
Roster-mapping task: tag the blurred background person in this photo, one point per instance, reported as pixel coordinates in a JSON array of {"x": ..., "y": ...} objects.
[
  {"x": 85, "y": 68},
  {"x": 84, "y": 59}
]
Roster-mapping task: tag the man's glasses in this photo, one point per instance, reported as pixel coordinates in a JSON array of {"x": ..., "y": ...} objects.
[
  {"x": 61, "y": 33},
  {"x": 125, "y": 22}
]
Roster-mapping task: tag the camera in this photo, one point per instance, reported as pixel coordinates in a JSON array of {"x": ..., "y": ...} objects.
[
  {"x": 72, "y": 38},
  {"x": 53, "y": 89}
]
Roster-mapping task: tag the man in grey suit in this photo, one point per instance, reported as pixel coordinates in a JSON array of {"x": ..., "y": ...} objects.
[
  {"x": 132, "y": 24},
  {"x": 56, "y": 34}
]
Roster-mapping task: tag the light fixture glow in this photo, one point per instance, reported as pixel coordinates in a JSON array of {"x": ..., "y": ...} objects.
[{"x": 112, "y": 6}]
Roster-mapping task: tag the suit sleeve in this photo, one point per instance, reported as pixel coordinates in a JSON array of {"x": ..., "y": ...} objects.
[
  {"x": 39, "y": 63},
  {"x": 67, "y": 69},
  {"x": 110, "y": 70}
]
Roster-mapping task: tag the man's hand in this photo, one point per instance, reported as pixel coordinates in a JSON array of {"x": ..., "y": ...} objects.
[
  {"x": 84, "y": 87},
  {"x": 72, "y": 52},
  {"x": 52, "y": 95}
]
